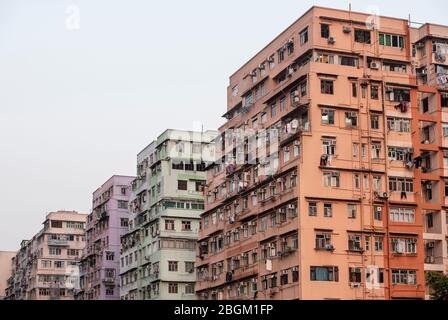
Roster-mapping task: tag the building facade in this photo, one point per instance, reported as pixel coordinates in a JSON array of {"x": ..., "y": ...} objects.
[
  {"x": 46, "y": 267},
  {"x": 158, "y": 252},
  {"x": 430, "y": 124},
  {"x": 100, "y": 263},
  {"x": 330, "y": 182},
  {"x": 5, "y": 271}
]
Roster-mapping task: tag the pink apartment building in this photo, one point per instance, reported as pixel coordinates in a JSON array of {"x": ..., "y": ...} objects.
[
  {"x": 108, "y": 221},
  {"x": 46, "y": 267}
]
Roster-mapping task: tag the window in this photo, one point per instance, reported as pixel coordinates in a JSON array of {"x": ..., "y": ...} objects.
[
  {"x": 354, "y": 275},
  {"x": 444, "y": 98},
  {"x": 182, "y": 185},
  {"x": 284, "y": 277},
  {"x": 328, "y": 210},
  {"x": 282, "y": 104},
  {"x": 377, "y": 183},
  {"x": 325, "y": 31},
  {"x": 394, "y": 67},
  {"x": 406, "y": 215},
  {"x": 399, "y": 124},
  {"x": 362, "y": 36},
  {"x": 354, "y": 243},
  {"x": 405, "y": 277},
  {"x": 280, "y": 55},
  {"x": 271, "y": 61},
  {"x": 374, "y": 93},
  {"x": 351, "y": 119},
  {"x": 404, "y": 245},
  {"x": 304, "y": 36},
  {"x": 323, "y": 241},
  {"x": 122, "y": 204},
  {"x": 329, "y": 147},
  {"x": 110, "y": 256},
  {"x": 59, "y": 264},
  {"x": 186, "y": 225},
  {"x": 295, "y": 274},
  {"x": 56, "y": 224},
  {"x": 391, "y": 40},
  {"x": 189, "y": 288},
  {"x": 354, "y": 89},
  {"x": 324, "y": 274},
  {"x": 52, "y": 251},
  {"x": 173, "y": 266},
  {"x": 325, "y": 58},
  {"x": 378, "y": 243},
  {"x": 355, "y": 151},
  {"x": 351, "y": 210},
  {"x": 198, "y": 186},
  {"x": 377, "y": 213},
  {"x": 374, "y": 122},
  {"x": 290, "y": 47},
  {"x": 169, "y": 225},
  {"x": 331, "y": 179},
  {"x": 327, "y": 117},
  {"x": 356, "y": 181},
  {"x": 401, "y": 184},
  {"x": 312, "y": 209},
  {"x": 376, "y": 150},
  {"x": 273, "y": 110},
  {"x": 172, "y": 288},
  {"x": 72, "y": 252},
  {"x": 425, "y": 105},
  {"x": 348, "y": 61},
  {"x": 327, "y": 86}
]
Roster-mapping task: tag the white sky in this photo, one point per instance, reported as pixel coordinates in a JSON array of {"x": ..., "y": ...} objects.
[{"x": 77, "y": 106}]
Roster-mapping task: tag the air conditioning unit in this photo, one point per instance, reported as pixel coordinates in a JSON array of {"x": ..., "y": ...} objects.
[
  {"x": 347, "y": 29},
  {"x": 329, "y": 247},
  {"x": 430, "y": 245},
  {"x": 331, "y": 40},
  {"x": 374, "y": 65},
  {"x": 355, "y": 285}
]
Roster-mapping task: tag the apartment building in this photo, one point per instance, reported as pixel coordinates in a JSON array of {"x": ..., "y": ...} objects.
[
  {"x": 108, "y": 221},
  {"x": 430, "y": 124},
  {"x": 5, "y": 271},
  {"x": 46, "y": 267},
  {"x": 158, "y": 252},
  {"x": 321, "y": 186}
]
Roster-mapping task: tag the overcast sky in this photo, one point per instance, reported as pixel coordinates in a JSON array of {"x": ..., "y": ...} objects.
[{"x": 79, "y": 98}]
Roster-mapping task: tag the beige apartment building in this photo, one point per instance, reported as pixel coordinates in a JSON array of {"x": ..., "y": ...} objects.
[
  {"x": 342, "y": 193},
  {"x": 46, "y": 267}
]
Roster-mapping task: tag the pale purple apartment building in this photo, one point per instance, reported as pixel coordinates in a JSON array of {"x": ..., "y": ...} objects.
[{"x": 108, "y": 221}]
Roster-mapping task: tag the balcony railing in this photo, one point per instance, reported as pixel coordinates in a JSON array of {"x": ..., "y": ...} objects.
[{"x": 57, "y": 242}]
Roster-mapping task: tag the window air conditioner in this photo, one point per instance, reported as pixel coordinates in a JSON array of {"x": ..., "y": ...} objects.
[
  {"x": 374, "y": 65},
  {"x": 331, "y": 40}
]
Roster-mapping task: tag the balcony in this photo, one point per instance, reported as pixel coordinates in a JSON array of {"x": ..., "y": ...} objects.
[
  {"x": 109, "y": 280},
  {"x": 433, "y": 224},
  {"x": 434, "y": 255},
  {"x": 58, "y": 242}
]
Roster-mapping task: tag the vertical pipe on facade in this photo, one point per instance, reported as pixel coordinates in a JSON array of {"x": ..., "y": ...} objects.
[{"x": 387, "y": 255}]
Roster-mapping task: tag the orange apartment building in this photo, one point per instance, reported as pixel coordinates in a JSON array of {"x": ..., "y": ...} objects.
[{"x": 347, "y": 196}]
